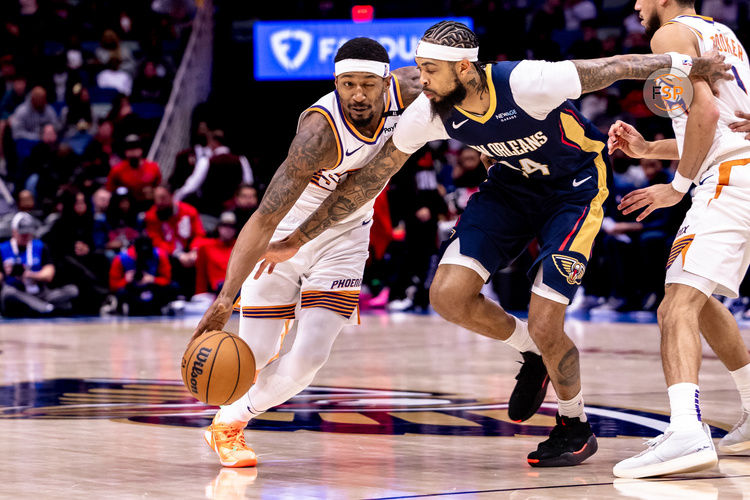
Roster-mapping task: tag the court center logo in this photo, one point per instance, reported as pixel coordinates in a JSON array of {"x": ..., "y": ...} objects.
[
  {"x": 317, "y": 408},
  {"x": 668, "y": 93},
  {"x": 282, "y": 43}
]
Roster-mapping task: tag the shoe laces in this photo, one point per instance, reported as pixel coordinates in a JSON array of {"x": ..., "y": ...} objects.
[
  {"x": 233, "y": 434},
  {"x": 526, "y": 367},
  {"x": 652, "y": 442}
]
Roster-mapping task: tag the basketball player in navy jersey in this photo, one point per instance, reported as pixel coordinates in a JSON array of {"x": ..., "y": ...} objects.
[{"x": 548, "y": 181}]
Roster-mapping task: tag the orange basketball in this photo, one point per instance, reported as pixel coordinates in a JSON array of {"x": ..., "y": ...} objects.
[{"x": 218, "y": 368}]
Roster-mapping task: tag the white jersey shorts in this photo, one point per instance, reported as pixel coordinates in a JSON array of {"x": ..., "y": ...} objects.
[
  {"x": 325, "y": 273},
  {"x": 713, "y": 242}
]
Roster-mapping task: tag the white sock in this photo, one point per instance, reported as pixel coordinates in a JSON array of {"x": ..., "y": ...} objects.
[
  {"x": 520, "y": 339},
  {"x": 684, "y": 400},
  {"x": 236, "y": 412},
  {"x": 741, "y": 378},
  {"x": 572, "y": 408}
]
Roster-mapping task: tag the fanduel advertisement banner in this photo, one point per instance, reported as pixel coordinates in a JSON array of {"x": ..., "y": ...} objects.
[{"x": 304, "y": 50}]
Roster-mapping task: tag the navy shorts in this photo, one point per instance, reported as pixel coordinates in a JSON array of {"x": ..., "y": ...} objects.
[{"x": 510, "y": 211}]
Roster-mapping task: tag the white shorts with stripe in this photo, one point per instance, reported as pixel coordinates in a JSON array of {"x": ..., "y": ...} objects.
[
  {"x": 326, "y": 273},
  {"x": 713, "y": 242}
]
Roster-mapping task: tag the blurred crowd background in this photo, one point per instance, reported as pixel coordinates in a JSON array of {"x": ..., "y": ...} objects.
[{"x": 89, "y": 225}]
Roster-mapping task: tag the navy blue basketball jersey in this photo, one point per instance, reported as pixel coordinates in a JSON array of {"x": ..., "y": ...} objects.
[{"x": 558, "y": 146}]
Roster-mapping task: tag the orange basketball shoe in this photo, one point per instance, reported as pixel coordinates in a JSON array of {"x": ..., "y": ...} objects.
[{"x": 228, "y": 441}]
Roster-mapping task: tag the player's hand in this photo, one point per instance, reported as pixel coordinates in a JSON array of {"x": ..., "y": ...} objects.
[
  {"x": 487, "y": 161},
  {"x": 742, "y": 125},
  {"x": 713, "y": 68},
  {"x": 277, "y": 251},
  {"x": 652, "y": 197},
  {"x": 625, "y": 137},
  {"x": 215, "y": 317}
]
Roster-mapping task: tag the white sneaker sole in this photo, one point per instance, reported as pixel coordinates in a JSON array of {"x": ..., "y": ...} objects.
[
  {"x": 734, "y": 448},
  {"x": 704, "y": 459}
]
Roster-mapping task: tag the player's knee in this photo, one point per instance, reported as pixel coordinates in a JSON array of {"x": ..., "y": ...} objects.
[
  {"x": 446, "y": 301},
  {"x": 671, "y": 311},
  {"x": 544, "y": 334}
]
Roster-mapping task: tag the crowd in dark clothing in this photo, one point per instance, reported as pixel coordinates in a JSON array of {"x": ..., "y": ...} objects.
[{"x": 89, "y": 225}]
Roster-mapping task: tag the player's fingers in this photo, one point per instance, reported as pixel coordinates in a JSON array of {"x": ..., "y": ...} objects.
[
  {"x": 261, "y": 268},
  {"x": 740, "y": 126},
  {"x": 645, "y": 213},
  {"x": 271, "y": 267},
  {"x": 637, "y": 206},
  {"x": 742, "y": 114}
]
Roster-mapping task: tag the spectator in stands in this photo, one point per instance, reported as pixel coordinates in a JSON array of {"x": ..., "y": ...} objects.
[
  {"x": 214, "y": 181},
  {"x": 124, "y": 120},
  {"x": 140, "y": 176},
  {"x": 149, "y": 86},
  {"x": 114, "y": 77},
  {"x": 27, "y": 273},
  {"x": 123, "y": 220},
  {"x": 71, "y": 243},
  {"x": 77, "y": 110},
  {"x": 213, "y": 256},
  {"x": 577, "y": 11},
  {"x": 101, "y": 228},
  {"x": 111, "y": 48},
  {"x": 173, "y": 226},
  {"x": 29, "y": 118},
  {"x": 245, "y": 203},
  {"x": 468, "y": 174},
  {"x": 589, "y": 46},
  {"x": 140, "y": 277},
  {"x": 13, "y": 97},
  {"x": 187, "y": 158},
  {"x": 97, "y": 159}
]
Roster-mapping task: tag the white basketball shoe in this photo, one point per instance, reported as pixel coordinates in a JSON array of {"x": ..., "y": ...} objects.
[
  {"x": 671, "y": 453},
  {"x": 738, "y": 439}
]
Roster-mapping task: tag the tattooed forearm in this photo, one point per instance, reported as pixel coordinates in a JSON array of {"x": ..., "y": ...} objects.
[
  {"x": 356, "y": 190},
  {"x": 596, "y": 74},
  {"x": 569, "y": 373}
]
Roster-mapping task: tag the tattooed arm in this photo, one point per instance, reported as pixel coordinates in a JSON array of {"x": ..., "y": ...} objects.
[
  {"x": 409, "y": 84},
  {"x": 355, "y": 191},
  {"x": 596, "y": 74},
  {"x": 314, "y": 147}
]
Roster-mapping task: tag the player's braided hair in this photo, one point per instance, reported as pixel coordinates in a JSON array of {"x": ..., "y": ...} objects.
[{"x": 455, "y": 34}]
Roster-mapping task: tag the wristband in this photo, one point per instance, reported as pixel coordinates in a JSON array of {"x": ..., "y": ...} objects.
[
  {"x": 681, "y": 62},
  {"x": 680, "y": 183}
]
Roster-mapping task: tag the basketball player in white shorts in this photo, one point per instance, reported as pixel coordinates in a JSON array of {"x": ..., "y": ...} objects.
[
  {"x": 711, "y": 252},
  {"x": 319, "y": 287}
]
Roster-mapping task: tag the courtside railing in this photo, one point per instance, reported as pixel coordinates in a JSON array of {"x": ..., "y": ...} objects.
[{"x": 192, "y": 85}]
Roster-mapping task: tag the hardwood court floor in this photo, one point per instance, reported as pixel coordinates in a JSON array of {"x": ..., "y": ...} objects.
[{"x": 407, "y": 407}]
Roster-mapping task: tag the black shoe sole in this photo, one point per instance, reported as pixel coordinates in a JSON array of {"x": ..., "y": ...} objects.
[
  {"x": 534, "y": 407},
  {"x": 569, "y": 458}
]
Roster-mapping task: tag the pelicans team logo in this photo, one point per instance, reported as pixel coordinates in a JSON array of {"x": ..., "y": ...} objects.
[
  {"x": 317, "y": 408},
  {"x": 569, "y": 267}
]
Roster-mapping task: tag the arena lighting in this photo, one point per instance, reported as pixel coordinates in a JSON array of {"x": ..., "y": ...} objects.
[{"x": 363, "y": 13}]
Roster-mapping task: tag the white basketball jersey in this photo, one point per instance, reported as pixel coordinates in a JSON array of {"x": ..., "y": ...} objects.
[
  {"x": 354, "y": 151},
  {"x": 733, "y": 95}
]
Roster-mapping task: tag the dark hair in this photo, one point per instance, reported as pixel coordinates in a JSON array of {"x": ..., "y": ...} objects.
[
  {"x": 686, "y": 3},
  {"x": 455, "y": 34},
  {"x": 362, "y": 48}
]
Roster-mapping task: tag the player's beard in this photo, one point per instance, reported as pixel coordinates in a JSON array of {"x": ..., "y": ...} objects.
[
  {"x": 443, "y": 106},
  {"x": 652, "y": 25},
  {"x": 362, "y": 122}
]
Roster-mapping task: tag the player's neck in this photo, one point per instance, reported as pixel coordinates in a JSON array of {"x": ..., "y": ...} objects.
[
  {"x": 476, "y": 101},
  {"x": 676, "y": 10}
]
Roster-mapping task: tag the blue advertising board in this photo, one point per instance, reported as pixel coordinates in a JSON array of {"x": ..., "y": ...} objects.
[{"x": 304, "y": 50}]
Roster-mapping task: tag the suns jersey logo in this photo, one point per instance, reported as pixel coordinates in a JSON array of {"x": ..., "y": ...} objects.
[
  {"x": 317, "y": 408},
  {"x": 569, "y": 267}
]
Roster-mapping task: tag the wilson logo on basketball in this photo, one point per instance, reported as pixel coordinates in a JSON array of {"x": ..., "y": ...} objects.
[
  {"x": 200, "y": 360},
  {"x": 317, "y": 408}
]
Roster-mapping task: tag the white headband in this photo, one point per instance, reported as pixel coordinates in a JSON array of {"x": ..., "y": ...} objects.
[
  {"x": 381, "y": 69},
  {"x": 444, "y": 53}
]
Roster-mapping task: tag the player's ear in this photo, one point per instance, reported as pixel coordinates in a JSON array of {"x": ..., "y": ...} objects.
[{"x": 462, "y": 67}]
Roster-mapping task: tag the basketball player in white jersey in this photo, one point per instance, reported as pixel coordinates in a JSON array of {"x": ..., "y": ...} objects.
[
  {"x": 711, "y": 252},
  {"x": 320, "y": 287}
]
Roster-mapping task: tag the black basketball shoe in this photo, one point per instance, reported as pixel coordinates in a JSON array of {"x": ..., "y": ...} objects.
[
  {"x": 570, "y": 443},
  {"x": 530, "y": 389}
]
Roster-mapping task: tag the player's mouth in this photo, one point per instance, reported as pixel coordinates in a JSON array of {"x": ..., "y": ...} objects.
[
  {"x": 360, "y": 109},
  {"x": 428, "y": 94}
]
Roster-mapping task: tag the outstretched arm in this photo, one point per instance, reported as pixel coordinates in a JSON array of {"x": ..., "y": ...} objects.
[
  {"x": 596, "y": 74},
  {"x": 353, "y": 193},
  {"x": 314, "y": 147}
]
